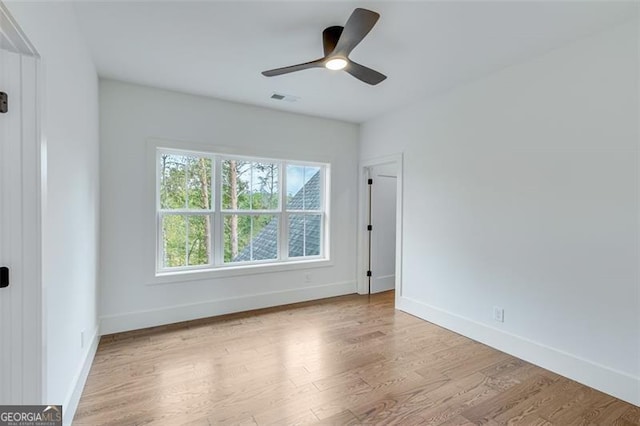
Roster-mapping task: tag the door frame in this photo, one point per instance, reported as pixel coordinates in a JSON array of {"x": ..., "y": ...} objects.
[
  {"x": 33, "y": 334},
  {"x": 363, "y": 217}
]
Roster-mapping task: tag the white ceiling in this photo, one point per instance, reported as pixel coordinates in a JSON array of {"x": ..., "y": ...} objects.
[{"x": 218, "y": 49}]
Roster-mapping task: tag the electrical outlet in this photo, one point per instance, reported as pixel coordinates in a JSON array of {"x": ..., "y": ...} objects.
[
  {"x": 498, "y": 314},
  {"x": 82, "y": 339},
  {"x": 307, "y": 278}
]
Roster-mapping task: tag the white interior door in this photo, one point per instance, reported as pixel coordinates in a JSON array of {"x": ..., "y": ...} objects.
[
  {"x": 20, "y": 301},
  {"x": 383, "y": 233}
]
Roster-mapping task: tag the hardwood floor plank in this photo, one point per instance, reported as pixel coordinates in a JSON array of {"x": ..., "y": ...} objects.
[
  {"x": 449, "y": 406},
  {"x": 457, "y": 421},
  {"x": 351, "y": 360},
  {"x": 414, "y": 402},
  {"x": 534, "y": 408},
  {"x": 604, "y": 412},
  {"x": 505, "y": 401},
  {"x": 345, "y": 418},
  {"x": 335, "y": 405},
  {"x": 630, "y": 417}
]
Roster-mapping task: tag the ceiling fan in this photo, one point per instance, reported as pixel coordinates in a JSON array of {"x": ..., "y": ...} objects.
[{"x": 338, "y": 42}]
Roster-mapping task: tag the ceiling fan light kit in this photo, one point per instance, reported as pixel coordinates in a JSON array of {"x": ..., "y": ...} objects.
[
  {"x": 336, "y": 64},
  {"x": 338, "y": 42}
]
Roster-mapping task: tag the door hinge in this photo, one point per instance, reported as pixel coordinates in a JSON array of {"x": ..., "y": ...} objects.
[
  {"x": 4, "y": 102},
  {"x": 4, "y": 277},
  {"x": 368, "y": 273},
  {"x": 369, "y": 227},
  {"x": 370, "y": 182}
]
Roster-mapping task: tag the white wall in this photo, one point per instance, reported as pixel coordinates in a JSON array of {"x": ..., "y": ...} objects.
[
  {"x": 130, "y": 116},
  {"x": 70, "y": 210},
  {"x": 521, "y": 191}
]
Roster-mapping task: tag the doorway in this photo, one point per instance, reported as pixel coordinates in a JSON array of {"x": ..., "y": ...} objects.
[{"x": 380, "y": 230}]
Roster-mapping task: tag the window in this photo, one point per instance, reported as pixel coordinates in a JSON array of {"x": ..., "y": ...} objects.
[
  {"x": 251, "y": 210},
  {"x": 304, "y": 201},
  {"x": 216, "y": 211},
  {"x": 185, "y": 209}
]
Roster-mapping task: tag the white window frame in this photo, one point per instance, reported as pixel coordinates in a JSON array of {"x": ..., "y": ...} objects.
[
  {"x": 161, "y": 213},
  {"x": 321, "y": 212},
  {"x": 217, "y": 213}
]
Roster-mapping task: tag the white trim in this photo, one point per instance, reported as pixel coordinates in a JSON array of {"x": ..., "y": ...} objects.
[
  {"x": 238, "y": 270},
  {"x": 12, "y": 34},
  {"x": 362, "y": 265},
  {"x": 30, "y": 190},
  {"x": 325, "y": 249},
  {"x": 616, "y": 383},
  {"x": 149, "y": 318},
  {"x": 70, "y": 404},
  {"x": 34, "y": 322}
]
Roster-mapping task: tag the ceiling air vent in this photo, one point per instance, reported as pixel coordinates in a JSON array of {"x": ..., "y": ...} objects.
[{"x": 283, "y": 97}]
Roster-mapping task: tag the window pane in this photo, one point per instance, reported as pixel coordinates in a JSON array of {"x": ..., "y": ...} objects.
[
  {"x": 174, "y": 237},
  {"x": 264, "y": 241},
  {"x": 250, "y": 185},
  {"x": 199, "y": 248},
  {"x": 185, "y": 182},
  {"x": 250, "y": 237},
  {"x": 295, "y": 181},
  {"x": 265, "y": 190},
  {"x": 312, "y": 234},
  {"x": 312, "y": 188},
  {"x": 236, "y": 178},
  {"x": 305, "y": 231},
  {"x": 237, "y": 235},
  {"x": 199, "y": 183},
  {"x": 173, "y": 170},
  {"x": 303, "y": 188}
]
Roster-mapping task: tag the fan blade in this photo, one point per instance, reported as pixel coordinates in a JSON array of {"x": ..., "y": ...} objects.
[
  {"x": 330, "y": 37},
  {"x": 363, "y": 73},
  {"x": 292, "y": 68},
  {"x": 357, "y": 27}
]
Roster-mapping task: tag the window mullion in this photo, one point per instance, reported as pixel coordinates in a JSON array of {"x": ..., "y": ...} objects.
[
  {"x": 283, "y": 235},
  {"x": 251, "y": 186},
  {"x": 251, "y": 219},
  {"x": 211, "y": 217},
  {"x": 186, "y": 187},
  {"x": 218, "y": 220},
  {"x": 186, "y": 240}
]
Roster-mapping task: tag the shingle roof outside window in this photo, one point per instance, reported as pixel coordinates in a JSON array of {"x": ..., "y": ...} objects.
[{"x": 265, "y": 244}]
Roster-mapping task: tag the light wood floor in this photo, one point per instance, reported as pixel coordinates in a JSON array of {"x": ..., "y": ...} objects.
[{"x": 343, "y": 361}]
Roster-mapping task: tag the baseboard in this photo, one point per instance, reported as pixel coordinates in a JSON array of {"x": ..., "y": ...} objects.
[
  {"x": 605, "y": 379},
  {"x": 71, "y": 402},
  {"x": 384, "y": 283},
  {"x": 142, "y": 319}
]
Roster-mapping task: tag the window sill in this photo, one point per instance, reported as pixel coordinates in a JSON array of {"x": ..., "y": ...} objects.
[{"x": 236, "y": 271}]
